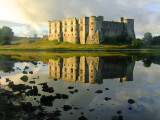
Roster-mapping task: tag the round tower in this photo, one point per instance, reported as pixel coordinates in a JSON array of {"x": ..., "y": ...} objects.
[
  {"x": 130, "y": 28},
  {"x": 100, "y": 18},
  {"x": 92, "y": 26}
]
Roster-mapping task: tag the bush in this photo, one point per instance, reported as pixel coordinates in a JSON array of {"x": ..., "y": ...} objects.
[
  {"x": 156, "y": 40},
  {"x": 138, "y": 43}
]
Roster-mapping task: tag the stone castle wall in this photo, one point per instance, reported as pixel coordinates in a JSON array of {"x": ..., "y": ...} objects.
[{"x": 90, "y": 30}]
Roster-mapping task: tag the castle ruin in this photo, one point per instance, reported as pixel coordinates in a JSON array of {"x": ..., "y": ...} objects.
[{"x": 91, "y": 30}]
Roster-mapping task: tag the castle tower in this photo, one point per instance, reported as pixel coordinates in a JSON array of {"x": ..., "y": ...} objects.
[
  {"x": 70, "y": 30},
  {"x": 55, "y": 30},
  {"x": 95, "y": 30},
  {"x": 121, "y": 19},
  {"x": 83, "y": 29},
  {"x": 130, "y": 29},
  {"x": 130, "y": 22},
  {"x": 100, "y": 28},
  {"x": 92, "y": 27}
]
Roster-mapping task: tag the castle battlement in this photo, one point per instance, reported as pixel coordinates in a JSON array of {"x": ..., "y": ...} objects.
[{"x": 90, "y": 30}]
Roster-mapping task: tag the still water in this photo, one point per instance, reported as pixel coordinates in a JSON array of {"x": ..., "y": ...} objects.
[{"x": 118, "y": 87}]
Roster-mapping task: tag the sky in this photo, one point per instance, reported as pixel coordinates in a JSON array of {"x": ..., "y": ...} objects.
[{"x": 29, "y": 17}]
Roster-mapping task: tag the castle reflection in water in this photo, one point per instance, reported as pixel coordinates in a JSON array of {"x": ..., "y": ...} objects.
[{"x": 91, "y": 69}]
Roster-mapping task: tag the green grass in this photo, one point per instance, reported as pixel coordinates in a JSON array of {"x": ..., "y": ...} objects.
[
  {"x": 46, "y": 45},
  {"x": 40, "y": 44}
]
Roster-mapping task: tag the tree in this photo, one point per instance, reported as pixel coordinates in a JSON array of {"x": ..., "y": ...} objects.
[
  {"x": 35, "y": 36},
  {"x": 6, "y": 35},
  {"x": 138, "y": 43},
  {"x": 156, "y": 40},
  {"x": 148, "y": 37},
  {"x": 147, "y": 63}
]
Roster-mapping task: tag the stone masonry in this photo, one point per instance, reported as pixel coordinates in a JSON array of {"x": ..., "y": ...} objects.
[{"x": 91, "y": 30}]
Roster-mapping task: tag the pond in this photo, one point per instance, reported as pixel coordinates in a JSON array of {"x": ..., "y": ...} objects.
[{"x": 79, "y": 87}]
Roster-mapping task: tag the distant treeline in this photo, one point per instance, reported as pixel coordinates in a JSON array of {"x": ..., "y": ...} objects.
[
  {"x": 155, "y": 40},
  {"x": 24, "y": 38},
  {"x": 146, "y": 41},
  {"x": 151, "y": 40}
]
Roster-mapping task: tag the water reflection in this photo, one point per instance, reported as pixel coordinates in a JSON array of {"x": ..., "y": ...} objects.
[
  {"x": 6, "y": 64},
  {"x": 91, "y": 69},
  {"x": 64, "y": 97}
]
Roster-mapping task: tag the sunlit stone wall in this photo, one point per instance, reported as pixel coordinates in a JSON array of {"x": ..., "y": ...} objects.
[{"x": 91, "y": 30}]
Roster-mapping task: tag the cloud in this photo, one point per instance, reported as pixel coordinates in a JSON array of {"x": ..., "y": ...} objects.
[
  {"x": 31, "y": 29},
  {"x": 40, "y": 11},
  {"x": 26, "y": 30}
]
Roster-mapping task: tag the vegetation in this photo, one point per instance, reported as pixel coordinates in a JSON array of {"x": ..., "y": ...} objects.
[
  {"x": 6, "y": 35},
  {"x": 147, "y": 37},
  {"x": 138, "y": 43},
  {"x": 147, "y": 42},
  {"x": 147, "y": 59},
  {"x": 156, "y": 40},
  {"x": 40, "y": 44},
  {"x": 46, "y": 45},
  {"x": 35, "y": 36}
]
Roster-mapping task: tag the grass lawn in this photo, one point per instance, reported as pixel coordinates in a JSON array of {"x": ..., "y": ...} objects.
[
  {"x": 41, "y": 44},
  {"x": 46, "y": 45}
]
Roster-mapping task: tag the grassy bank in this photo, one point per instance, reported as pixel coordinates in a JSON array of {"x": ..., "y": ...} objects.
[
  {"x": 46, "y": 45},
  {"x": 40, "y": 44}
]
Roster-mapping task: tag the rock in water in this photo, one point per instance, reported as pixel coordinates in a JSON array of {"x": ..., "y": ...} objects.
[
  {"x": 119, "y": 112},
  {"x": 32, "y": 82},
  {"x": 58, "y": 96},
  {"x": 67, "y": 107},
  {"x": 82, "y": 118},
  {"x": 47, "y": 100},
  {"x": 70, "y": 87},
  {"x": 64, "y": 96},
  {"x": 106, "y": 88},
  {"x": 131, "y": 101},
  {"x": 24, "y": 78},
  {"x": 25, "y": 72},
  {"x": 107, "y": 98},
  {"x": 99, "y": 91},
  {"x": 26, "y": 67},
  {"x": 8, "y": 80},
  {"x": 30, "y": 72}
]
